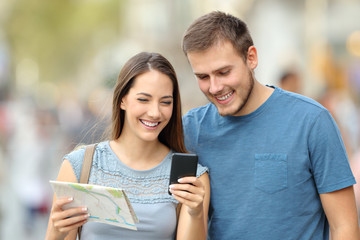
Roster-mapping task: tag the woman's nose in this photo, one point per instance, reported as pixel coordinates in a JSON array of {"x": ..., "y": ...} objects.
[{"x": 154, "y": 111}]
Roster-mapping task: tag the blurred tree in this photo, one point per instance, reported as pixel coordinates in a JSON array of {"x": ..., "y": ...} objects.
[{"x": 59, "y": 35}]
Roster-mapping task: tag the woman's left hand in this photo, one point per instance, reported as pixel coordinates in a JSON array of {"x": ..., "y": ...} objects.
[{"x": 191, "y": 193}]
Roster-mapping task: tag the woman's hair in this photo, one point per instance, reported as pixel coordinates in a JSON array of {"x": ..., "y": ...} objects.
[
  {"x": 216, "y": 27},
  {"x": 172, "y": 135}
]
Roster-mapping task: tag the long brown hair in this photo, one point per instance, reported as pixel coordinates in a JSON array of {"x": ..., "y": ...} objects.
[
  {"x": 172, "y": 135},
  {"x": 215, "y": 27}
]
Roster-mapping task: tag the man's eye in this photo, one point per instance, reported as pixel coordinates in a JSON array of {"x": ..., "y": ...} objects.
[
  {"x": 202, "y": 77},
  {"x": 224, "y": 72}
]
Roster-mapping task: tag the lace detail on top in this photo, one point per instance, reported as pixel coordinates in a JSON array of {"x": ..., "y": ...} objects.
[{"x": 148, "y": 186}]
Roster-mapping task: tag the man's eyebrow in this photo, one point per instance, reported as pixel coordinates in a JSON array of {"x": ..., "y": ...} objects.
[
  {"x": 200, "y": 74},
  {"x": 214, "y": 71}
]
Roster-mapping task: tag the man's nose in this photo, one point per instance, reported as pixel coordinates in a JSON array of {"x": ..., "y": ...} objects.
[{"x": 215, "y": 85}]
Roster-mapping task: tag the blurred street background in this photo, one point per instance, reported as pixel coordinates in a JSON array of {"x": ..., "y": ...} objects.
[{"x": 60, "y": 59}]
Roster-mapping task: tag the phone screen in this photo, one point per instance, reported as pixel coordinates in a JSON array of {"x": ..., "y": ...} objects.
[{"x": 182, "y": 165}]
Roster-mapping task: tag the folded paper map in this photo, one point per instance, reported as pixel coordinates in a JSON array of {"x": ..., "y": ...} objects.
[{"x": 105, "y": 204}]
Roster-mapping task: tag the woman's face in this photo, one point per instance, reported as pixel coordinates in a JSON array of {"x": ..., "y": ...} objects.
[{"x": 148, "y": 106}]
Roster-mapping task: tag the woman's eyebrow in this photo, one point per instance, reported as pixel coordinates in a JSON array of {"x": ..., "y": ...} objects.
[
  {"x": 149, "y": 95},
  {"x": 143, "y": 93},
  {"x": 167, "y": 96}
]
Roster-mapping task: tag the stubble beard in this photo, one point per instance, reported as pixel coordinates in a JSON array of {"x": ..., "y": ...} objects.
[{"x": 245, "y": 98}]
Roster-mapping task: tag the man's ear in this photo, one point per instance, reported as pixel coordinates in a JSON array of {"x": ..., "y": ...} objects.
[{"x": 252, "y": 59}]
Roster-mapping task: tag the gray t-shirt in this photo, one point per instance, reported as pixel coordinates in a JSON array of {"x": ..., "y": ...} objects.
[{"x": 147, "y": 191}]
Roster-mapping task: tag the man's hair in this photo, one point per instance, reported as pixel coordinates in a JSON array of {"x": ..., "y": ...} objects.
[{"x": 216, "y": 27}]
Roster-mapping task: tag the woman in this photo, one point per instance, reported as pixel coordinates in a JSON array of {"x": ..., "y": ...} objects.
[{"x": 146, "y": 130}]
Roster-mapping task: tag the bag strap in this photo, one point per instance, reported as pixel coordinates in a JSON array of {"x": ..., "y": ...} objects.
[
  {"x": 86, "y": 167},
  {"x": 87, "y": 162}
]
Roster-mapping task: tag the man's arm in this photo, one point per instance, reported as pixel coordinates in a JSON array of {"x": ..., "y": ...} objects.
[{"x": 340, "y": 210}]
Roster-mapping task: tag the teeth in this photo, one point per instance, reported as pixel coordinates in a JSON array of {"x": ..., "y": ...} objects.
[
  {"x": 225, "y": 97},
  {"x": 150, "y": 124}
]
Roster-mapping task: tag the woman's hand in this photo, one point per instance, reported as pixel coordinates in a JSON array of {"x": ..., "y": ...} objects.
[
  {"x": 194, "y": 195},
  {"x": 190, "y": 192},
  {"x": 64, "y": 221}
]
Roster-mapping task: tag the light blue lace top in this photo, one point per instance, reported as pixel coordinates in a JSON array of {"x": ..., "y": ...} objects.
[{"x": 147, "y": 191}]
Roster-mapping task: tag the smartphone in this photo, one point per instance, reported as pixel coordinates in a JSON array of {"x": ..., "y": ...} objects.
[{"x": 182, "y": 165}]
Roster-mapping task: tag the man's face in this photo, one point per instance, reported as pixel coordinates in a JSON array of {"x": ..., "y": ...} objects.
[{"x": 224, "y": 77}]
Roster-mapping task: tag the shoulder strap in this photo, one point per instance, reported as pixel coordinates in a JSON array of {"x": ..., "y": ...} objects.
[
  {"x": 178, "y": 208},
  {"x": 85, "y": 169},
  {"x": 87, "y": 162}
]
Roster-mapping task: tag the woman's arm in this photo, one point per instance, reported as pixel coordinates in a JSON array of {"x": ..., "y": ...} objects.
[
  {"x": 62, "y": 223},
  {"x": 194, "y": 197}
]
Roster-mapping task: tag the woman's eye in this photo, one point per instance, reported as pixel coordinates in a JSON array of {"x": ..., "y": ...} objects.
[
  {"x": 142, "y": 99},
  {"x": 167, "y": 102}
]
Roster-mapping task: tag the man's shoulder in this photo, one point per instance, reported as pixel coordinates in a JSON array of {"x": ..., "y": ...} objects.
[
  {"x": 201, "y": 115},
  {"x": 302, "y": 102},
  {"x": 199, "y": 111}
]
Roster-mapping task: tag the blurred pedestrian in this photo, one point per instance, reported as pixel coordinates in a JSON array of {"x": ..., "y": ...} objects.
[{"x": 291, "y": 81}]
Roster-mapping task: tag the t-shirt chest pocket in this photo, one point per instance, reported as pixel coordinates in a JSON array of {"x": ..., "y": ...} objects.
[{"x": 271, "y": 172}]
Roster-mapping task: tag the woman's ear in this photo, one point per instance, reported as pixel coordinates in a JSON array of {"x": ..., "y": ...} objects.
[
  {"x": 122, "y": 105},
  {"x": 252, "y": 59}
]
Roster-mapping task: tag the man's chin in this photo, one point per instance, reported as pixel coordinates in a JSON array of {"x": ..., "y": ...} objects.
[
  {"x": 227, "y": 111},
  {"x": 224, "y": 112}
]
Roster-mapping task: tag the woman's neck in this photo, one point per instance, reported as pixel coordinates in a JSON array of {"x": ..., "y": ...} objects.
[{"x": 137, "y": 154}]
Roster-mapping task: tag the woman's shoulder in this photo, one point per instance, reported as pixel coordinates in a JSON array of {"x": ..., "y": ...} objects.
[
  {"x": 201, "y": 170},
  {"x": 76, "y": 156}
]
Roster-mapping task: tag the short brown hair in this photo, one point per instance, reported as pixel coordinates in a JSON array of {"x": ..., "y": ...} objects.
[
  {"x": 214, "y": 27},
  {"x": 172, "y": 135}
]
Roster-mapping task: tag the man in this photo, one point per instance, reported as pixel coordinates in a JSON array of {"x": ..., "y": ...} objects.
[{"x": 278, "y": 167}]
